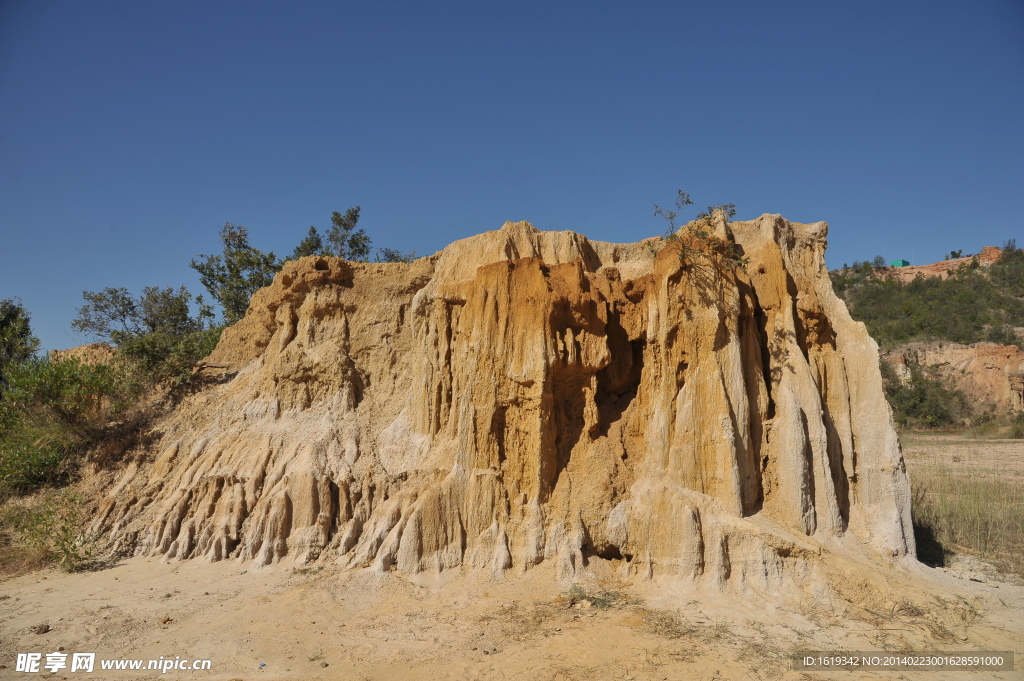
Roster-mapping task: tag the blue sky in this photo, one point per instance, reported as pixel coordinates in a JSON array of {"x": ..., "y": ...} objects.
[{"x": 130, "y": 132}]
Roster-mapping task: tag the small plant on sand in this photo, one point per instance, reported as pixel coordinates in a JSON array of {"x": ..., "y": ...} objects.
[
  {"x": 665, "y": 623},
  {"x": 601, "y": 599},
  {"x": 308, "y": 571}
]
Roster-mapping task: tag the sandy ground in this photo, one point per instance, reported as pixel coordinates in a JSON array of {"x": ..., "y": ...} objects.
[{"x": 325, "y": 623}]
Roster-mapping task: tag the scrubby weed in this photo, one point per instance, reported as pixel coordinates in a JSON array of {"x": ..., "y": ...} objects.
[
  {"x": 696, "y": 243},
  {"x": 665, "y": 623},
  {"x": 974, "y": 512},
  {"x": 50, "y": 531},
  {"x": 602, "y": 599}
]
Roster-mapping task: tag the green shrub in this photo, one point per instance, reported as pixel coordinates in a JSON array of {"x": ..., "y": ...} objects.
[
  {"x": 1002, "y": 334},
  {"x": 75, "y": 394},
  {"x": 51, "y": 531},
  {"x": 27, "y": 463},
  {"x": 156, "y": 330},
  {"x": 52, "y": 412},
  {"x": 16, "y": 340},
  {"x": 1008, "y": 273},
  {"x": 232, "y": 277},
  {"x": 967, "y": 307},
  {"x": 162, "y": 356},
  {"x": 925, "y": 401},
  {"x": 1017, "y": 427}
]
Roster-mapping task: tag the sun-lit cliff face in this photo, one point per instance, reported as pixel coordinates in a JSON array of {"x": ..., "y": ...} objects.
[{"x": 526, "y": 396}]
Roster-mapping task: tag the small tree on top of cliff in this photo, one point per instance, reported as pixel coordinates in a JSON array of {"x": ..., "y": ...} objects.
[
  {"x": 241, "y": 270},
  {"x": 682, "y": 201},
  {"x": 313, "y": 244},
  {"x": 696, "y": 242},
  {"x": 344, "y": 240}
]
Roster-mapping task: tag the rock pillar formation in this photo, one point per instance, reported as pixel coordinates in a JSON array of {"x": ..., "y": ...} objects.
[{"x": 528, "y": 396}]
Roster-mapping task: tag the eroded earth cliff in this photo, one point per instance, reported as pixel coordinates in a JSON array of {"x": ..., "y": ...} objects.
[
  {"x": 991, "y": 375},
  {"x": 525, "y": 397}
]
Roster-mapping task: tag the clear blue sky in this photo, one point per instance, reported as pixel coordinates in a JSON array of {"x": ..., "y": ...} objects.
[{"x": 132, "y": 131}]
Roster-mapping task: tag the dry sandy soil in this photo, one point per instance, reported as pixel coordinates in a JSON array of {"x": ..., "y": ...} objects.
[{"x": 323, "y": 623}]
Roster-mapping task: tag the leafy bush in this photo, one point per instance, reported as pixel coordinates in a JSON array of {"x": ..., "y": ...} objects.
[
  {"x": 156, "y": 330},
  {"x": 16, "y": 340},
  {"x": 51, "y": 531},
  {"x": 241, "y": 269},
  {"x": 343, "y": 240},
  {"x": 1008, "y": 272},
  {"x": 163, "y": 356},
  {"x": 27, "y": 463},
  {"x": 72, "y": 393},
  {"x": 232, "y": 277},
  {"x": 52, "y": 412},
  {"x": 393, "y": 255}
]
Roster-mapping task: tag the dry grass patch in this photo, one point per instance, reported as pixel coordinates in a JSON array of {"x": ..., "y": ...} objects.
[
  {"x": 664, "y": 623},
  {"x": 602, "y": 599},
  {"x": 519, "y": 621},
  {"x": 971, "y": 511},
  {"x": 942, "y": 619}
]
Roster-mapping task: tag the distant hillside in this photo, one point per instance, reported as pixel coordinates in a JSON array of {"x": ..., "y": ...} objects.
[
  {"x": 935, "y": 328},
  {"x": 989, "y": 256},
  {"x": 964, "y": 303}
]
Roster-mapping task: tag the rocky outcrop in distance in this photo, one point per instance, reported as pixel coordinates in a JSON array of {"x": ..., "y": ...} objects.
[
  {"x": 526, "y": 397},
  {"x": 991, "y": 375},
  {"x": 989, "y": 255}
]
